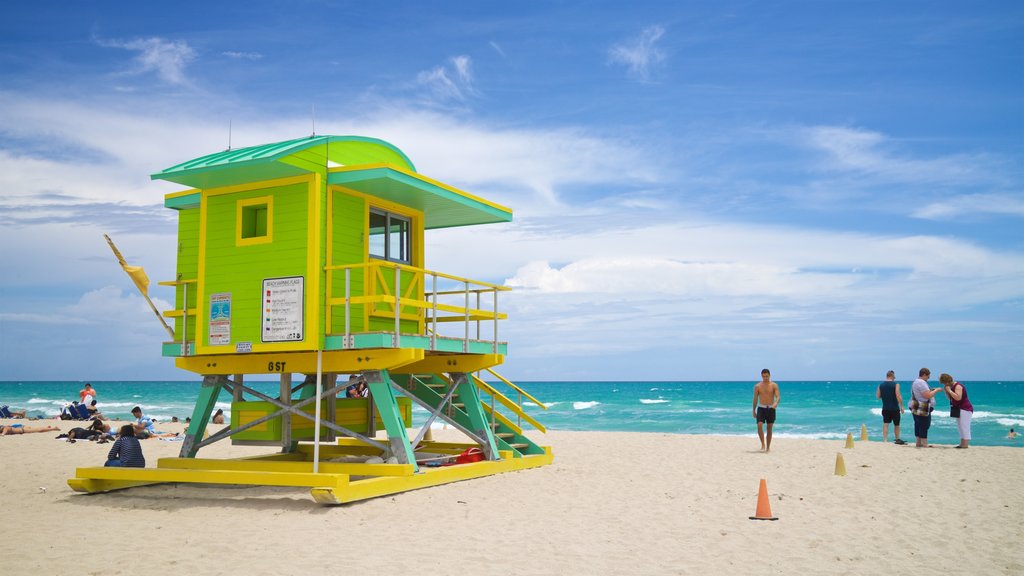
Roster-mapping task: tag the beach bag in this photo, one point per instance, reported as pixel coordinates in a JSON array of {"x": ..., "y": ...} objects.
[
  {"x": 469, "y": 455},
  {"x": 954, "y": 411}
]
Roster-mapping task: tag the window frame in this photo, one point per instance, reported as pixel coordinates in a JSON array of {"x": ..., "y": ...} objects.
[
  {"x": 388, "y": 216},
  {"x": 240, "y": 209}
]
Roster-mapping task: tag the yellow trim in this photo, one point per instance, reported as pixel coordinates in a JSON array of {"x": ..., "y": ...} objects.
[
  {"x": 182, "y": 193},
  {"x": 240, "y": 206},
  {"x": 451, "y": 363},
  {"x": 200, "y": 335},
  {"x": 296, "y": 466},
  {"x": 275, "y": 183},
  {"x": 517, "y": 389},
  {"x": 328, "y": 260},
  {"x": 314, "y": 267},
  {"x": 343, "y": 361},
  {"x": 505, "y": 401},
  {"x": 327, "y": 487},
  {"x": 418, "y": 176}
]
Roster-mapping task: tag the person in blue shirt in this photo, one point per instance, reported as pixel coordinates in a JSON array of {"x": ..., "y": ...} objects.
[
  {"x": 126, "y": 451},
  {"x": 143, "y": 424}
]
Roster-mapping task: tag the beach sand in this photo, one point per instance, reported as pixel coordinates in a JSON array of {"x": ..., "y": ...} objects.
[{"x": 612, "y": 503}]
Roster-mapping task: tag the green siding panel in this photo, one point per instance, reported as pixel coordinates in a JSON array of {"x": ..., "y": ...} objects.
[
  {"x": 348, "y": 217},
  {"x": 187, "y": 267},
  {"x": 240, "y": 270}
]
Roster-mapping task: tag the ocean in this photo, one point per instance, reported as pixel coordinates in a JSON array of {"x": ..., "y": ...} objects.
[{"x": 819, "y": 409}]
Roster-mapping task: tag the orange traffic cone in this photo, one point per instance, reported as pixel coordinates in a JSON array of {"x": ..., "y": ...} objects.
[
  {"x": 863, "y": 433},
  {"x": 764, "y": 508},
  {"x": 849, "y": 440}
]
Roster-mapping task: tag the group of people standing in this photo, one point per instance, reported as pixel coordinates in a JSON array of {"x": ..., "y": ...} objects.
[{"x": 922, "y": 404}]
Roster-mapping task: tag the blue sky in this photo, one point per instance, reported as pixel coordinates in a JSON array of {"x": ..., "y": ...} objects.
[{"x": 701, "y": 189}]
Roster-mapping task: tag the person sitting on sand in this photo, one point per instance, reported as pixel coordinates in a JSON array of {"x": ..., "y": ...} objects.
[
  {"x": 14, "y": 429},
  {"x": 218, "y": 418},
  {"x": 1012, "y": 434},
  {"x": 95, "y": 412},
  {"x": 126, "y": 451},
  {"x": 144, "y": 427},
  {"x": 143, "y": 424}
]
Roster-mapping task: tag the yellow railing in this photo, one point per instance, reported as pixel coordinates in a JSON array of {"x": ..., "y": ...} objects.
[
  {"x": 391, "y": 298},
  {"x": 184, "y": 313},
  {"x": 497, "y": 396}
]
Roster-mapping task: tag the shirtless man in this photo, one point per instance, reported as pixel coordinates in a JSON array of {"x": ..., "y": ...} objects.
[{"x": 766, "y": 399}]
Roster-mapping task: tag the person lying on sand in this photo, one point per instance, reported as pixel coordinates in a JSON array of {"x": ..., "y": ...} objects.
[
  {"x": 96, "y": 431},
  {"x": 19, "y": 429}
]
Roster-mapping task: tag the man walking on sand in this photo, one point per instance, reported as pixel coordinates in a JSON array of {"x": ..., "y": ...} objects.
[
  {"x": 766, "y": 399},
  {"x": 892, "y": 406}
]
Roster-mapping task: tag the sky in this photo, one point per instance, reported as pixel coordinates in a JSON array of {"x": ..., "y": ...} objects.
[{"x": 830, "y": 189}]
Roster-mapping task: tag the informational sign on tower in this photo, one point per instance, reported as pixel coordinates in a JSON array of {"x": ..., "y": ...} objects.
[
  {"x": 220, "y": 318},
  {"x": 282, "y": 309}
]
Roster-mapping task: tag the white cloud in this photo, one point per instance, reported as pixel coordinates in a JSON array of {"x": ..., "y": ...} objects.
[
  {"x": 451, "y": 82},
  {"x": 497, "y": 48},
  {"x": 243, "y": 55},
  {"x": 640, "y": 55},
  {"x": 872, "y": 153},
  {"x": 168, "y": 58},
  {"x": 971, "y": 204}
]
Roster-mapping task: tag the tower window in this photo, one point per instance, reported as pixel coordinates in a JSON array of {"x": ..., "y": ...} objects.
[
  {"x": 254, "y": 221},
  {"x": 389, "y": 236}
]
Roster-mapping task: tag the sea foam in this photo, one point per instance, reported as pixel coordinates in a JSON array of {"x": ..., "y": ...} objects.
[{"x": 584, "y": 405}]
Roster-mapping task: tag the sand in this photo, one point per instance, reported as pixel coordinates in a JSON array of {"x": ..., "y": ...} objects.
[{"x": 612, "y": 503}]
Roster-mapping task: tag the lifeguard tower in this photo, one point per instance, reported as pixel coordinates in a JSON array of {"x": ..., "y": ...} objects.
[{"x": 305, "y": 258}]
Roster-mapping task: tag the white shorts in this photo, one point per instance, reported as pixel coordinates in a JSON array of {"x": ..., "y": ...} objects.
[{"x": 963, "y": 424}]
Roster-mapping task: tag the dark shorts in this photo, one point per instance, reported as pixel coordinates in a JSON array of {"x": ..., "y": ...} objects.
[
  {"x": 892, "y": 416},
  {"x": 766, "y": 414},
  {"x": 921, "y": 425}
]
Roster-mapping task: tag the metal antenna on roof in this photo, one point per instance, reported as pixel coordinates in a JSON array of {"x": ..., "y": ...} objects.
[
  {"x": 229, "y": 134},
  {"x": 312, "y": 112}
]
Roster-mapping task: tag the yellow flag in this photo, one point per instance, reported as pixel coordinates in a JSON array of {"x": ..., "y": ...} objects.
[
  {"x": 141, "y": 281},
  {"x": 138, "y": 276}
]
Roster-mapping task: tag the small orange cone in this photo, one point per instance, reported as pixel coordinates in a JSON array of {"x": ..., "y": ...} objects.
[
  {"x": 849, "y": 440},
  {"x": 840, "y": 465},
  {"x": 764, "y": 508},
  {"x": 863, "y": 433}
]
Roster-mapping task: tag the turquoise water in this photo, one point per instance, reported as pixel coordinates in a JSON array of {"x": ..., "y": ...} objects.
[{"x": 807, "y": 410}]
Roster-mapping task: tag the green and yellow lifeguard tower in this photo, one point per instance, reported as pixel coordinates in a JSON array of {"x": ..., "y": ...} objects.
[{"x": 305, "y": 258}]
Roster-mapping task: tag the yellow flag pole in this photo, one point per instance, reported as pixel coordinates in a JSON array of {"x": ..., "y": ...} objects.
[{"x": 141, "y": 281}]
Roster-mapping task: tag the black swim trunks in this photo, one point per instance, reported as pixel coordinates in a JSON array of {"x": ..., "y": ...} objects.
[
  {"x": 766, "y": 414},
  {"x": 891, "y": 416}
]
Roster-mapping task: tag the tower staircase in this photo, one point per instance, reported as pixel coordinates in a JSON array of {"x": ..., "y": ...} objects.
[{"x": 476, "y": 408}]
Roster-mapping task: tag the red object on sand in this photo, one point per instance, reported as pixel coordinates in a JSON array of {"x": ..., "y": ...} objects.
[{"x": 469, "y": 455}]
